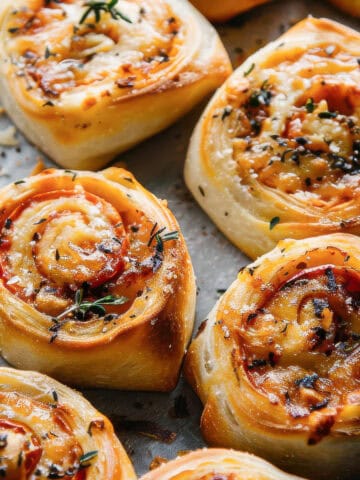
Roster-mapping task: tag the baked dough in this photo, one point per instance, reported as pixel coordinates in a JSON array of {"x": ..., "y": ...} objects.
[
  {"x": 97, "y": 287},
  {"x": 83, "y": 92},
  {"x": 277, "y": 362},
  {"x": 216, "y": 464},
  {"x": 48, "y": 431},
  {"x": 349, "y": 6},
  {"x": 277, "y": 152},
  {"x": 220, "y": 11}
]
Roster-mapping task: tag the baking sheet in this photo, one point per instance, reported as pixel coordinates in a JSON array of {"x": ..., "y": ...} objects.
[{"x": 158, "y": 165}]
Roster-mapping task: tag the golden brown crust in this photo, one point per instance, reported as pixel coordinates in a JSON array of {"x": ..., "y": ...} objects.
[
  {"x": 48, "y": 431},
  {"x": 86, "y": 90},
  {"x": 285, "y": 161},
  {"x": 220, "y": 11},
  {"x": 69, "y": 239},
  {"x": 349, "y": 6},
  {"x": 217, "y": 464},
  {"x": 277, "y": 363}
]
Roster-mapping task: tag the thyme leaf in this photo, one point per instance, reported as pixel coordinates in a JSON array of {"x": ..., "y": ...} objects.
[
  {"x": 251, "y": 68},
  {"x": 310, "y": 105},
  {"x": 97, "y": 8},
  {"x": 81, "y": 308},
  {"x": 273, "y": 222},
  {"x": 158, "y": 256},
  {"x": 87, "y": 457}
]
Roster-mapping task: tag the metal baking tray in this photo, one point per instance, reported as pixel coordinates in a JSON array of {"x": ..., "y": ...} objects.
[{"x": 154, "y": 425}]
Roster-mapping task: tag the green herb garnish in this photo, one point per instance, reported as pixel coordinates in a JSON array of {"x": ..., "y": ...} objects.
[
  {"x": 81, "y": 308},
  {"x": 251, "y": 68},
  {"x": 55, "y": 396},
  {"x": 86, "y": 458},
  {"x": 273, "y": 222},
  {"x": 327, "y": 115},
  {"x": 167, "y": 237},
  {"x": 74, "y": 174},
  {"x": 310, "y": 105},
  {"x": 49, "y": 53},
  {"x": 158, "y": 256},
  {"x": 107, "y": 7},
  {"x": 260, "y": 97}
]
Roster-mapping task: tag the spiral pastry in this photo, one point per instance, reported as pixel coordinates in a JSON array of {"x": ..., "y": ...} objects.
[
  {"x": 350, "y": 6},
  {"x": 217, "y": 464},
  {"x": 277, "y": 153},
  {"x": 85, "y": 80},
  {"x": 96, "y": 284},
  {"x": 48, "y": 431},
  {"x": 277, "y": 363},
  {"x": 221, "y": 11}
]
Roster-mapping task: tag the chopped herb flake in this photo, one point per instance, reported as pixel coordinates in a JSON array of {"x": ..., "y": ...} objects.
[
  {"x": 310, "y": 105},
  {"x": 273, "y": 222},
  {"x": 327, "y": 115},
  {"x": 87, "y": 457},
  {"x": 251, "y": 68}
]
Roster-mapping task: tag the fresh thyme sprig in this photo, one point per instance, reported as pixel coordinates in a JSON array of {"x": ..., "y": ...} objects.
[
  {"x": 98, "y": 7},
  {"x": 161, "y": 239},
  {"x": 81, "y": 308},
  {"x": 158, "y": 256}
]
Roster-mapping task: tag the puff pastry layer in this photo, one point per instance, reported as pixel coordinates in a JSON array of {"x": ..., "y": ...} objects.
[
  {"x": 216, "y": 464},
  {"x": 84, "y": 92},
  {"x": 277, "y": 152},
  {"x": 96, "y": 284},
  {"x": 277, "y": 362},
  {"x": 349, "y": 6},
  {"x": 220, "y": 11},
  {"x": 48, "y": 431}
]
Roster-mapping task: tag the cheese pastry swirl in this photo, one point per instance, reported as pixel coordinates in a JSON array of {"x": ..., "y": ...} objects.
[
  {"x": 48, "y": 431},
  {"x": 221, "y": 11},
  {"x": 277, "y": 152},
  {"x": 217, "y": 464},
  {"x": 277, "y": 363},
  {"x": 94, "y": 277},
  {"x": 87, "y": 80}
]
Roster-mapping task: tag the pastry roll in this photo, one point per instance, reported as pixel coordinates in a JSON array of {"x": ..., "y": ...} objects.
[
  {"x": 277, "y": 152},
  {"x": 349, "y": 6},
  {"x": 48, "y": 431},
  {"x": 277, "y": 362},
  {"x": 220, "y": 11},
  {"x": 96, "y": 284},
  {"x": 217, "y": 464},
  {"x": 87, "y": 80}
]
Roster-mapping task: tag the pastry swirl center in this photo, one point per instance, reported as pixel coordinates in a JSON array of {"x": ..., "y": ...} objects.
[
  {"x": 301, "y": 346},
  {"x": 62, "y": 239}
]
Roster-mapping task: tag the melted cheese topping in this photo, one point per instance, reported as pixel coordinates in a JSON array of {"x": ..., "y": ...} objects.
[
  {"x": 49, "y": 431},
  {"x": 292, "y": 123},
  {"x": 37, "y": 440},
  {"x": 61, "y": 242},
  {"x": 217, "y": 464},
  {"x": 55, "y": 55},
  {"x": 298, "y": 335}
]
